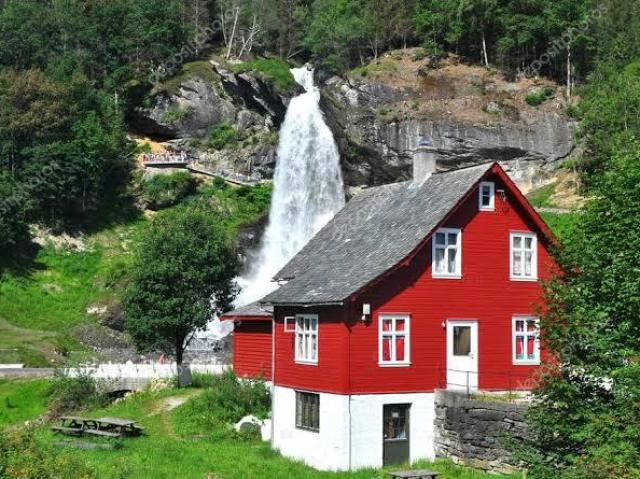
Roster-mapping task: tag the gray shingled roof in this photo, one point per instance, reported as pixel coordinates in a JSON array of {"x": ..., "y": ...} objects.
[
  {"x": 253, "y": 309},
  {"x": 376, "y": 230}
]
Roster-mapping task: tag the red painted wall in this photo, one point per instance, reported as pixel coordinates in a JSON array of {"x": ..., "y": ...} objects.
[
  {"x": 349, "y": 350},
  {"x": 331, "y": 372},
  {"x": 252, "y": 349}
]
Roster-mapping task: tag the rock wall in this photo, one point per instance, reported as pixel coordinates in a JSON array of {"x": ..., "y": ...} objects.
[{"x": 474, "y": 432}]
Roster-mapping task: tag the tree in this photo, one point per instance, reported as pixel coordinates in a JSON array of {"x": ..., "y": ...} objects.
[
  {"x": 584, "y": 422},
  {"x": 13, "y": 206},
  {"x": 182, "y": 274}
]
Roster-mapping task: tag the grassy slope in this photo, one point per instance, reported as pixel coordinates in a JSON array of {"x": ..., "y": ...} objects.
[
  {"x": 21, "y": 400},
  {"x": 38, "y": 310},
  {"x": 162, "y": 453}
]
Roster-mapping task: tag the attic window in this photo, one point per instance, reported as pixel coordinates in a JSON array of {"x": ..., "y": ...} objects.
[
  {"x": 486, "y": 196},
  {"x": 447, "y": 253}
]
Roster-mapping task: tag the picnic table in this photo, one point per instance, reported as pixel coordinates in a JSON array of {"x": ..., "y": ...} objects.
[
  {"x": 111, "y": 427},
  {"x": 415, "y": 474}
]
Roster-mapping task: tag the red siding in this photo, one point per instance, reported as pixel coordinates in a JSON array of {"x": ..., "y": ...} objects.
[
  {"x": 252, "y": 349},
  {"x": 349, "y": 350},
  {"x": 331, "y": 372}
]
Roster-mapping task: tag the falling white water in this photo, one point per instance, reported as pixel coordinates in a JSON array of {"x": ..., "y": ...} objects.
[{"x": 307, "y": 189}]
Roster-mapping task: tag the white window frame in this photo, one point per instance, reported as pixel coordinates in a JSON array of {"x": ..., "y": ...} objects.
[
  {"x": 534, "y": 257},
  {"x": 457, "y": 274},
  {"x": 289, "y": 324},
  {"x": 492, "y": 196},
  {"x": 393, "y": 334},
  {"x": 515, "y": 334},
  {"x": 310, "y": 333}
]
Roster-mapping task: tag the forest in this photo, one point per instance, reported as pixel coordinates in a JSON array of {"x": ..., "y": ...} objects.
[{"x": 72, "y": 71}]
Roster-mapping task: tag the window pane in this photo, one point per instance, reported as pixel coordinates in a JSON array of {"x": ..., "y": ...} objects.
[
  {"x": 461, "y": 340},
  {"x": 531, "y": 326},
  {"x": 314, "y": 324},
  {"x": 452, "y": 239},
  {"x": 528, "y": 264},
  {"x": 440, "y": 267},
  {"x": 519, "y": 347},
  {"x": 386, "y": 349},
  {"x": 300, "y": 349},
  {"x": 386, "y": 324},
  {"x": 520, "y": 325},
  {"x": 517, "y": 241},
  {"x": 531, "y": 342},
  {"x": 399, "y": 324},
  {"x": 517, "y": 263},
  {"x": 528, "y": 243},
  {"x": 314, "y": 347},
  {"x": 400, "y": 348},
  {"x": 440, "y": 238},
  {"x": 451, "y": 264}
]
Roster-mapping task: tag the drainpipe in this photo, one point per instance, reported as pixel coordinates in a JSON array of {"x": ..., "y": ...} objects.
[{"x": 273, "y": 374}]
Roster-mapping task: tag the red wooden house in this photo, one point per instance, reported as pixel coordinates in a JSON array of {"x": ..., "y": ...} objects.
[
  {"x": 412, "y": 287},
  {"x": 252, "y": 340}
]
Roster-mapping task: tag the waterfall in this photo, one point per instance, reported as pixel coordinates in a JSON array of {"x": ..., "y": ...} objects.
[{"x": 307, "y": 189}]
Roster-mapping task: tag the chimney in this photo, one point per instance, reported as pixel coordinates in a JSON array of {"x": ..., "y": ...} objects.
[{"x": 424, "y": 160}]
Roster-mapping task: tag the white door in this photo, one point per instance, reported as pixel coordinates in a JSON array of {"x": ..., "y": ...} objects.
[{"x": 462, "y": 355}]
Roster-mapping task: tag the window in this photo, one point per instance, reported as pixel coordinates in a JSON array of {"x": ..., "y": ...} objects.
[
  {"x": 526, "y": 341},
  {"x": 289, "y": 324},
  {"x": 487, "y": 196},
  {"x": 308, "y": 411},
  {"x": 524, "y": 257},
  {"x": 393, "y": 347},
  {"x": 462, "y": 340},
  {"x": 307, "y": 338},
  {"x": 447, "y": 253}
]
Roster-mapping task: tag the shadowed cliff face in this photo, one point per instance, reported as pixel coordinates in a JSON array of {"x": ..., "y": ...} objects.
[{"x": 379, "y": 112}]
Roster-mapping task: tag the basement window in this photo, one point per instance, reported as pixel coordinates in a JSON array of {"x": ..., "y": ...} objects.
[
  {"x": 524, "y": 257},
  {"x": 486, "y": 196},
  {"x": 393, "y": 347},
  {"x": 447, "y": 253},
  {"x": 526, "y": 340},
  {"x": 308, "y": 411},
  {"x": 307, "y": 338}
]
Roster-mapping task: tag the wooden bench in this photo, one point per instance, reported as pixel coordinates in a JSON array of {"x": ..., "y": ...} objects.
[
  {"x": 72, "y": 431},
  {"x": 97, "y": 432},
  {"x": 415, "y": 474}
]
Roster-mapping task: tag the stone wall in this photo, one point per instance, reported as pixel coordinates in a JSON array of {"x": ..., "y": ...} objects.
[{"x": 473, "y": 432}]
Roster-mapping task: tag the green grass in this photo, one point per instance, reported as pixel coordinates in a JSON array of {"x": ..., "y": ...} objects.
[
  {"x": 541, "y": 197},
  {"x": 198, "y": 69},
  {"x": 560, "y": 223},
  {"x": 162, "y": 453},
  {"x": 270, "y": 69},
  {"x": 21, "y": 401},
  {"x": 539, "y": 95}
]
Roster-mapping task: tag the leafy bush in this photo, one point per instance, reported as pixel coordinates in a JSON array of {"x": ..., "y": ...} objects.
[
  {"x": 538, "y": 96},
  {"x": 226, "y": 400},
  {"x": 163, "y": 191},
  {"x": 220, "y": 136},
  {"x": 175, "y": 114},
  {"x": 74, "y": 393},
  {"x": 21, "y": 457}
]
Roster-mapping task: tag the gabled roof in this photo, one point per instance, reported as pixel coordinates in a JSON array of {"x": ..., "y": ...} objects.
[
  {"x": 374, "y": 232},
  {"x": 252, "y": 310}
]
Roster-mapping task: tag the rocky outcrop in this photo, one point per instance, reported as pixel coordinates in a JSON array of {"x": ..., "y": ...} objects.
[{"x": 472, "y": 115}]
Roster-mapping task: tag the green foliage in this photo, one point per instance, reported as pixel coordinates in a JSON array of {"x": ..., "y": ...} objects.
[
  {"x": 175, "y": 115},
  {"x": 13, "y": 206},
  {"x": 22, "y": 456},
  {"x": 162, "y": 191},
  {"x": 68, "y": 394},
  {"x": 271, "y": 69},
  {"x": 184, "y": 261},
  {"x": 538, "y": 96},
  {"x": 21, "y": 400},
  {"x": 225, "y": 401},
  {"x": 221, "y": 136},
  {"x": 584, "y": 422}
]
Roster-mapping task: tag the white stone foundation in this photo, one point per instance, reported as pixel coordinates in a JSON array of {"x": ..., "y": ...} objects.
[{"x": 350, "y": 435}]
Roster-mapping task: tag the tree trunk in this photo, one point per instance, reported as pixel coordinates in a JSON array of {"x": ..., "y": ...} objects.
[
  {"x": 569, "y": 70},
  {"x": 233, "y": 32},
  {"x": 484, "y": 50}
]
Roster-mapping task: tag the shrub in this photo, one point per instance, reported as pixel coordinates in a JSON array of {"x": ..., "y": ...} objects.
[
  {"x": 220, "y": 136},
  {"x": 74, "y": 393},
  {"x": 163, "y": 191},
  {"x": 225, "y": 401},
  {"x": 538, "y": 96},
  {"x": 175, "y": 114},
  {"x": 22, "y": 457},
  {"x": 271, "y": 69}
]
